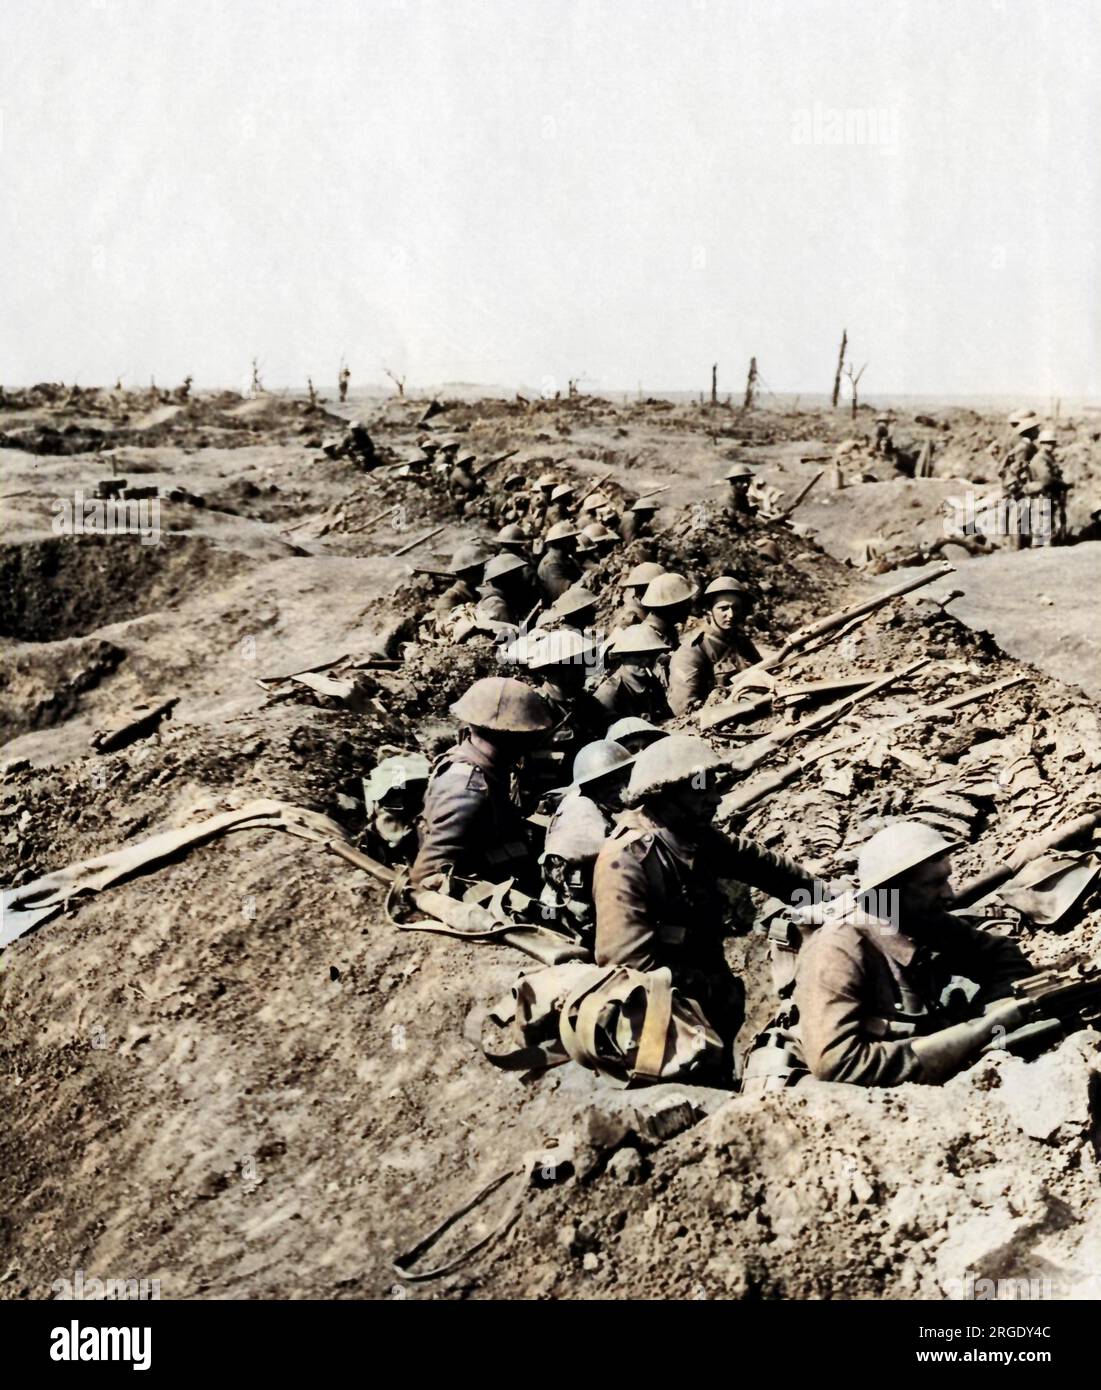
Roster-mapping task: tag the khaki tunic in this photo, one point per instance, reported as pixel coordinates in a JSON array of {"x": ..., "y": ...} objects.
[
  {"x": 693, "y": 666},
  {"x": 471, "y": 827},
  {"x": 454, "y": 597},
  {"x": 654, "y": 891},
  {"x": 863, "y": 990},
  {"x": 556, "y": 573},
  {"x": 632, "y": 690}
]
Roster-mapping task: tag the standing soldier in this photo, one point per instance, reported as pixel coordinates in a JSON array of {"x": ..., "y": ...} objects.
[
  {"x": 632, "y": 685},
  {"x": 471, "y": 828},
  {"x": 1053, "y": 487},
  {"x": 1016, "y": 477},
  {"x": 881, "y": 443},
  {"x": 342, "y": 383}
]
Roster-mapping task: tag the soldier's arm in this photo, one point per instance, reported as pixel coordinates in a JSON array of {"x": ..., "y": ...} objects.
[
  {"x": 625, "y": 929},
  {"x": 451, "y": 810},
  {"x": 686, "y": 678},
  {"x": 828, "y": 995},
  {"x": 775, "y": 874},
  {"x": 997, "y": 962}
]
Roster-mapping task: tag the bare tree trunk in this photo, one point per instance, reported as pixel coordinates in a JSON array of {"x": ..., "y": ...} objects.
[
  {"x": 714, "y": 383},
  {"x": 840, "y": 365},
  {"x": 750, "y": 385}
]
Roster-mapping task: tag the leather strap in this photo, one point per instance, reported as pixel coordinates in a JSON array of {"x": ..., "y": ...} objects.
[{"x": 650, "y": 1057}]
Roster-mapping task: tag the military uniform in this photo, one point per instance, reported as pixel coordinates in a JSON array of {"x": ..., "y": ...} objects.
[
  {"x": 693, "y": 666},
  {"x": 628, "y": 613},
  {"x": 557, "y": 572},
  {"x": 471, "y": 827},
  {"x": 495, "y": 605},
  {"x": 632, "y": 690},
  {"x": 665, "y": 628},
  {"x": 656, "y": 896},
  {"x": 864, "y": 989},
  {"x": 578, "y": 720},
  {"x": 454, "y": 597}
]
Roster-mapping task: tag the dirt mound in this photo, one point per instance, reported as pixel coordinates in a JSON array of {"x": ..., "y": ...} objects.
[{"x": 73, "y": 585}]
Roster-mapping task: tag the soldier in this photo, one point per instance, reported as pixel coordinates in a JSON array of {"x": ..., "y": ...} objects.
[
  {"x": 594, "y": 507},
  {"x": 667, "y": 602},
  {"x": 739, "y": 506},
  {"x": 719, "y": 644},
  {"x": 1052, "y": 485},
  {"x": 466, "y": 565},
  {"x": 881, "y": 442},
  {"x": 559, "y": 508},
  {"x": 633, "y": 685},
  {"x": 603, "y": 538},
  {"x": 1016, "y": 477},
  {"x": 634, "y": 733},
  {"x": 575, "y": 837},
  {"x": 879, "y": 989},
  {"x": 393, "y": 796},
  {"x": 471, "y": 828},
  {"x": 540, "y": 500},
  {"x": 600, "y": 773},
  {"x": 462, "y": 484},
  {"x": 576, "y": 609},
  {"x": 587, "y": 558},
  {"x": 342, "y": 383},
  {"x": 634, "y": 585},
  {"x": 635, "y": 523},
  {"x": 513, "y": 540},
  {"x": 505, "y": 591},
  {"x": 560, "y": 661},
  {"x": 557, "y": 569},
  {"x": 656, "y": 880}
]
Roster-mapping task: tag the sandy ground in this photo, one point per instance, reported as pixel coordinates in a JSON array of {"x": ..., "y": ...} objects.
[{"x": 236, "y": 1076}]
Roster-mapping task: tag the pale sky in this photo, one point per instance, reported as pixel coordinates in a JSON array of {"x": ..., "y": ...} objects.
[{"x": 517, "y": 191}]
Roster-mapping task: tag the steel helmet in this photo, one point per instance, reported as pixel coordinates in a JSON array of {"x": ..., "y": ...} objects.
[
  {"x": 597, "y": 531},
  {"x": 1029, "y": 422},
  {"x": 577, "y": 831},
  {"x": 562, "y": 646},
  {"x": 501, "y": 565},
  {"x": 561, "y": 531},
  {"x": 512, "y": 481},
  {"x": 668, "y": 763},
  {"x": 504, "y": 705},
  {"x": 1047, "y": 437},
  {"x": 465, "y": 457},
  {"x": 561, "y": 491},
  {"x": 642, "y": 504},
  {"x": 575, "y": 600},
  {"x": 448, "y": 446},
  {"x": 637, "y": 640},
  {"x": 633, "y": 727},
  {"x": 883, "y": 419},
  {"x": 668, "y": 590},
  {"x": 394, "y": 774},
  {"x": 725, "y": 584},
  {"x": 546, "y": 481},
  {"x": 602, "y": 761},
  {"x": 512, "y": 535},
  {"x": 1019, "y": 415},
  {"x": 898, "y": 848},
  {"x": 582, "y": 545},
  {"x": 593, "y": 501},
  {"x": 738, "y": 470},
  {"x": 469, "y": 557},
  {"x": 640, "y": 575}
]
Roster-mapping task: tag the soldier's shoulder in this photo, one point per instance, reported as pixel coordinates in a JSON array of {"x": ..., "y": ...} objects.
[
  {"x": 455, "y": 776},
  {"x": 628, "y": 840}
]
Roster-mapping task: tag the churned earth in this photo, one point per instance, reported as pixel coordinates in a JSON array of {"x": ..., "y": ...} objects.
[{"x": 236, "y": 1076}]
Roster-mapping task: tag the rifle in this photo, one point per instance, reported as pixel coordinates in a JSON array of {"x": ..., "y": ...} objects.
[
  {"x": 492, "y": 463},
  {"x": 737, "y": 802},
  {"x": 787, "y": 511},
  {"x": 1062, "y": 835},
  {"x": 823, "y": 627},
  {"x": 1054, "y": 1002},
  {"x": 432, "y": 573},
  {"x": 412, "y": 545}
]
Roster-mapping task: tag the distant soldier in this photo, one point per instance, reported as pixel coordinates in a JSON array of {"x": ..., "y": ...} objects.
[
  {"x": 393, "y": 796},
  {"x": 540, "y": 501},
  {"x": 1048, "y": 477},
  {"x": 466, "y": 566},
  {"x": 720, "y": 644},
  {"x": 895, "y": 988},
  {"x": 342, "y": 383},
  {"x": 557, "y": 567},
  {"x": 632, "y": 685},
  {"x": 471, "y": 828},
  {"x": 1016, "y": 479},
  {"x": 881, "y": 441},
  {"x": 634, "y": 585},
  {"x": 739, "y": 506},
  {"x": 462, "y": 482}
]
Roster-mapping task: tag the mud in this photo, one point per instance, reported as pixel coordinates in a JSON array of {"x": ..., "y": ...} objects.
[{"x": 236, "y": 1075}]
